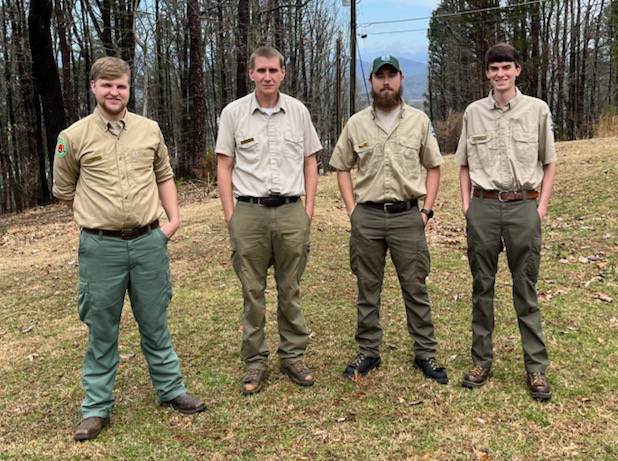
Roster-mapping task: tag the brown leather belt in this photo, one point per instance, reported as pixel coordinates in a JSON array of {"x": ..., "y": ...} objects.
[
  {"x": 506, "y": 196},
  {"x": 125, "y": 234}
]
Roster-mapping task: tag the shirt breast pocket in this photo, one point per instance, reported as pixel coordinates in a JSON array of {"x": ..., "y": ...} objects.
[
  {"x": 526, "y": 149},
  {"x": 141, "y": 160},
  {"x": 479, "y": 147},
  {"x": 364, "y": 151},
  {"x": 248, "y": 149},
  {"x": 294, "y": 145},
  {"x": 408, "y": 153}
]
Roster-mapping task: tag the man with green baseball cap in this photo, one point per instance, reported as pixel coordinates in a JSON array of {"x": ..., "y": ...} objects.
[{"x": 390, "y": 143}]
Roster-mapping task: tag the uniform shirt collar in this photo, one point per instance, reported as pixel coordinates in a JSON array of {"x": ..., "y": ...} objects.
[
  {"x": 281, "y": 104},
  {"x": 402, "y": 110},
  {"x": 103, "y": 123},
  {"x": 491, "y": 102}
]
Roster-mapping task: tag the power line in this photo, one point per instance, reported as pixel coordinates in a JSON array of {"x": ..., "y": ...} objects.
[{"x": 458, "y": 13}]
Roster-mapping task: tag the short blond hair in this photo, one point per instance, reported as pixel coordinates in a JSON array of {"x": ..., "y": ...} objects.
[
  {"x": 109, "y": 68},
  {"x": 265, "y": 52}
]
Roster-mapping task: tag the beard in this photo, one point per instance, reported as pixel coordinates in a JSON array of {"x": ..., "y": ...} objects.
[{"x": 387, "y": 101}]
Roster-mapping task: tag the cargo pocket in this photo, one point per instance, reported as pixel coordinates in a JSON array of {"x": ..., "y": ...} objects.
[{"x": 83, "y": 300}]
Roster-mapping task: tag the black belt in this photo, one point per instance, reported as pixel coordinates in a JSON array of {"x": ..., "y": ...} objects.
[
  {"x": 125, "y": 234},
  {"x": 268, "y": 201},
  {"x": 392, "y": 207}
]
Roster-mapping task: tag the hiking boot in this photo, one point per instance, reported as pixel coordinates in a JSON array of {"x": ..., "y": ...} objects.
[
  {"x": 361, "y": 365},
  {"x": 539, "y": 388},
  {"x": 476, "y": 377},
  {"x": 253, "y": 381},
  {"x": 431, "y": 369},
  {"x": 185, "y": 404},
  {"x": 90, "y": 428},
  {"x": 299, "y": 373}
]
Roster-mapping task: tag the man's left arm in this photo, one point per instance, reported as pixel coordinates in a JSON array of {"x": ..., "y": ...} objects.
[
  {"x": 169, "y": 200},
  {"x": 311, "y": 183},
  {"x": 549, "y": 173},
  {"x": 432, "y": 184}
]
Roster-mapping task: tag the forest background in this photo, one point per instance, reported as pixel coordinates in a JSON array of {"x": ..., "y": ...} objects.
[{"x": 189, "y": 59}]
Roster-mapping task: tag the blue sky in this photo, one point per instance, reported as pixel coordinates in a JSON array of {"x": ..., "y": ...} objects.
[{"x": 387, "y": 38}]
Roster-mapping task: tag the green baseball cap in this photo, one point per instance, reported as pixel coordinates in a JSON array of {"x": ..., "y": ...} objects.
[{"x": 383, "y": 61}]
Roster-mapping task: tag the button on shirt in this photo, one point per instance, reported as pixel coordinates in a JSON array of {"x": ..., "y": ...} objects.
[
  {"x": 268, "y": 150},
  {"x": 506, "y": 149},
  {"x": 112, "y": 178},
  {"x": 389, "y": 161}
]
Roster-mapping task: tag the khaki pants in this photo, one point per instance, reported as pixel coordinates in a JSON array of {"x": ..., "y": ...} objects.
[
  {"x": 108, "y": 268},
  {"x": 490, "y": 223},
  {"x": 373, "y": 232},
  {"x": 261, "y": 237}
]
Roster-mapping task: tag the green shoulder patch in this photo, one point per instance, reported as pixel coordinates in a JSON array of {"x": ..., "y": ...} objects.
[{"x": 61, "y": 148}]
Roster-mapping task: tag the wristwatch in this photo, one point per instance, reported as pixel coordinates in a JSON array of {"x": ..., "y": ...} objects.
[{"x": 428, "y": 213}]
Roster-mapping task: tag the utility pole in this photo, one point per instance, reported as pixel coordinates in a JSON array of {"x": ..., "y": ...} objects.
[
  {"x": 353, "y": 56},
  {"x": 338, "y": 121}
]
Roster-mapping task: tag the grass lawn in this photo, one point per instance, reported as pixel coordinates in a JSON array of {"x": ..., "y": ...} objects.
[{"x": 393, "y": 413}]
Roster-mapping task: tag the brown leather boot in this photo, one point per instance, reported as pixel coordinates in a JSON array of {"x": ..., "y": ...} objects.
[
  {"x": 186, "y": 404},
  {"x": 476, "y": 377},
  {"x": 253, "y": 381},
  {"x": 299, "y": 373},
  {"x": 539, "y": 388},
  {"x": 89, "y": 428}
]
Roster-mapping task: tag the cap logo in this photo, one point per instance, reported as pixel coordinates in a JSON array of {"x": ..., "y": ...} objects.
[{"x": 385, "y": 58}]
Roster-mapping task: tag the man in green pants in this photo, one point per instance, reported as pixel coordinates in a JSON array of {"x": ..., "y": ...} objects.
[
  {"x": 391, "y": 143},
  {"x": 506, "y": 152},
  {"x": 266, "y": 158},
  {"x": 111, "y": 169}
]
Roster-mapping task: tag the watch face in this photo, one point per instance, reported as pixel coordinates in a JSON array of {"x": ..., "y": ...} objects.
[{"x": 429, "y": 213}]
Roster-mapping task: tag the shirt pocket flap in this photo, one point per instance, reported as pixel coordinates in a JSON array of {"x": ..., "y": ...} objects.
[
  {"x": 481, "y": 138},
  {"x": 412, "y": 143},
  {"x": 525, "y": 136},
  {"x": 246, "y": 142},
  {"x": 363, "y": 147},
  {"x": 296, "y": 138}
]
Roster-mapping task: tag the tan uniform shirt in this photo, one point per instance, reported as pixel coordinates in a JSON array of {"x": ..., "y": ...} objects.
[
  {"x": 389, "y": 163},
  {"x": 268, "y": 151},
  {"x": 112, "y": 179},
  {"x": 506, "y": 149}
]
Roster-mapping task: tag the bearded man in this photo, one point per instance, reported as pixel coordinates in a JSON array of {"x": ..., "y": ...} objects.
[{"x": 389, "y": 142}]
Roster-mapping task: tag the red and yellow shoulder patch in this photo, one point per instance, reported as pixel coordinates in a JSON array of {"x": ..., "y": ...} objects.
[{"x": 61, "y": 148}]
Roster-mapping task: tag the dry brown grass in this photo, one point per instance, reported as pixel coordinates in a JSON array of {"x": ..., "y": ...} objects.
[{"x": 394, "y": 414}]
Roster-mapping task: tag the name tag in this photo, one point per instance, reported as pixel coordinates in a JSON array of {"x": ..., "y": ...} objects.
[
  {"x": 480, "y": 137},
  {"x": 246, "y": 141},
  {"x": 363, "y": 144},
  {"x": 92, "y": 159}
]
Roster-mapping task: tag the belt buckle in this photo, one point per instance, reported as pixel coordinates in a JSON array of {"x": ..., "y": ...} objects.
[
  {"x": 500, "y": 195},
  {"x": 386, "y": 205},
  {"x": 128, "y": 234}
]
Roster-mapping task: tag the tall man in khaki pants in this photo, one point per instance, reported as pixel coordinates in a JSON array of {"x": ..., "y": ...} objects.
[
  {"x": 112, "y": 169},
  {"x": 266, "y": 150},
  {"x": 505, "y": 152}
]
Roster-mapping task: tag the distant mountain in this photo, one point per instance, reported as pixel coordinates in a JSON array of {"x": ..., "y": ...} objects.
[{"x": 414, "y": 79}]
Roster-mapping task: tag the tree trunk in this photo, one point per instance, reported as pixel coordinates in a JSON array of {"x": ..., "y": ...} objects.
[{"x": 46, "y": 81}]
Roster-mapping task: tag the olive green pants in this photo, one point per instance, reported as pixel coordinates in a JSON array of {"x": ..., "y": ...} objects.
[
  {"x": 261, "y": 237},
  {"x": 108, "y": 267},
  {"x": 373, "y": 233},
  {"x": 517, "y": 224}
]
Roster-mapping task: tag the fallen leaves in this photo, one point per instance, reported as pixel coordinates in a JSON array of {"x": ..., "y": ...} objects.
[
  {"x": 602, "y": 296},
  {"x": 482, "y": 455}
]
